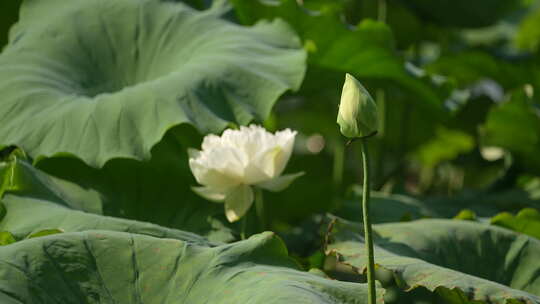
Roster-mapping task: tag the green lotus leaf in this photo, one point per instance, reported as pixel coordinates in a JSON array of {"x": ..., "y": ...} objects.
[
  {"x": 465, "y": 262},
  {"x": 114, "y": 267},
  {"x": 103, "y": 79},
  {"x": 156, "y": 191},
  {"x": 6, "y": 238},
  {"x": 466, "y": 215},
  {"x": 27, "y": 216},
  {"x": 44, "y": 232},
  {"x": 38, "y": 201},
  {"x": 527, "y": 221},
  {"x": 19, "y": 178}
]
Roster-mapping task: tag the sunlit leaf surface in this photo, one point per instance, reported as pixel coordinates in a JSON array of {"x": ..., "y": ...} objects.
[
  {"x": 463, "y": 261},
  {"x": 107, "y": 79}
]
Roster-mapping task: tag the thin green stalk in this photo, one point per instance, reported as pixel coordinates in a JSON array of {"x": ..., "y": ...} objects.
[
  {"x": 367, "y": 224},
  {"x": 259, "y": 205}
]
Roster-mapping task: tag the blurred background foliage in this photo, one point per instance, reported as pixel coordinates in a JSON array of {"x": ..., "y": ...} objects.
[
  {"x": 457, "y": 87},
  {"x": 456, "y": 83}
]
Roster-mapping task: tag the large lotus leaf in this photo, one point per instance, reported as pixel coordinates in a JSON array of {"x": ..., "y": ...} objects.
[
  {"x": 156, "y": 191},
  {"x": 115, "y": 267},
  {"x": 366, "y": 50},
  {"x": 34, "y": 201},
  {"x": 19, "y": 178},
  {"x": 162, "y": 197},
  {"x": 107, "y": 79},
  {"x": 463, "y": 13},
  {"x": 463, "y": 261},
  {"x": 25, "y": 216}
]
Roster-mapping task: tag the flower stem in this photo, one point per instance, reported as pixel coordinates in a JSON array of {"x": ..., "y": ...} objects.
[
  {"x": 259, "y": 205},
  {"x": 367, "y": 224}
]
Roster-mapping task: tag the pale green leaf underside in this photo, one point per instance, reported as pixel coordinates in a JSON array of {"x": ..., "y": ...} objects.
[
  {"x": 103, "y": 79},
  {"x": 114, "y": 267},
  {"x": 462, "y": 260}
]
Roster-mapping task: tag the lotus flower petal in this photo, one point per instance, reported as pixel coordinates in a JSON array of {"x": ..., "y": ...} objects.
[
  {"x": 238, "y": 202},
  {"x": 209, "y": 194},
  {"x": 218, "y": 168},
  {"x": 280, "y": 183},
  {"x": 237, "y": 159}
]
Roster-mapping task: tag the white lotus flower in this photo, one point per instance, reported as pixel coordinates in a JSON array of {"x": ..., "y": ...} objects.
[{"x": 231, "y": 164}]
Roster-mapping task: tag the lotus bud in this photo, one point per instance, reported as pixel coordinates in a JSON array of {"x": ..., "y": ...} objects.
[{"x": 357, "y": 116}]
